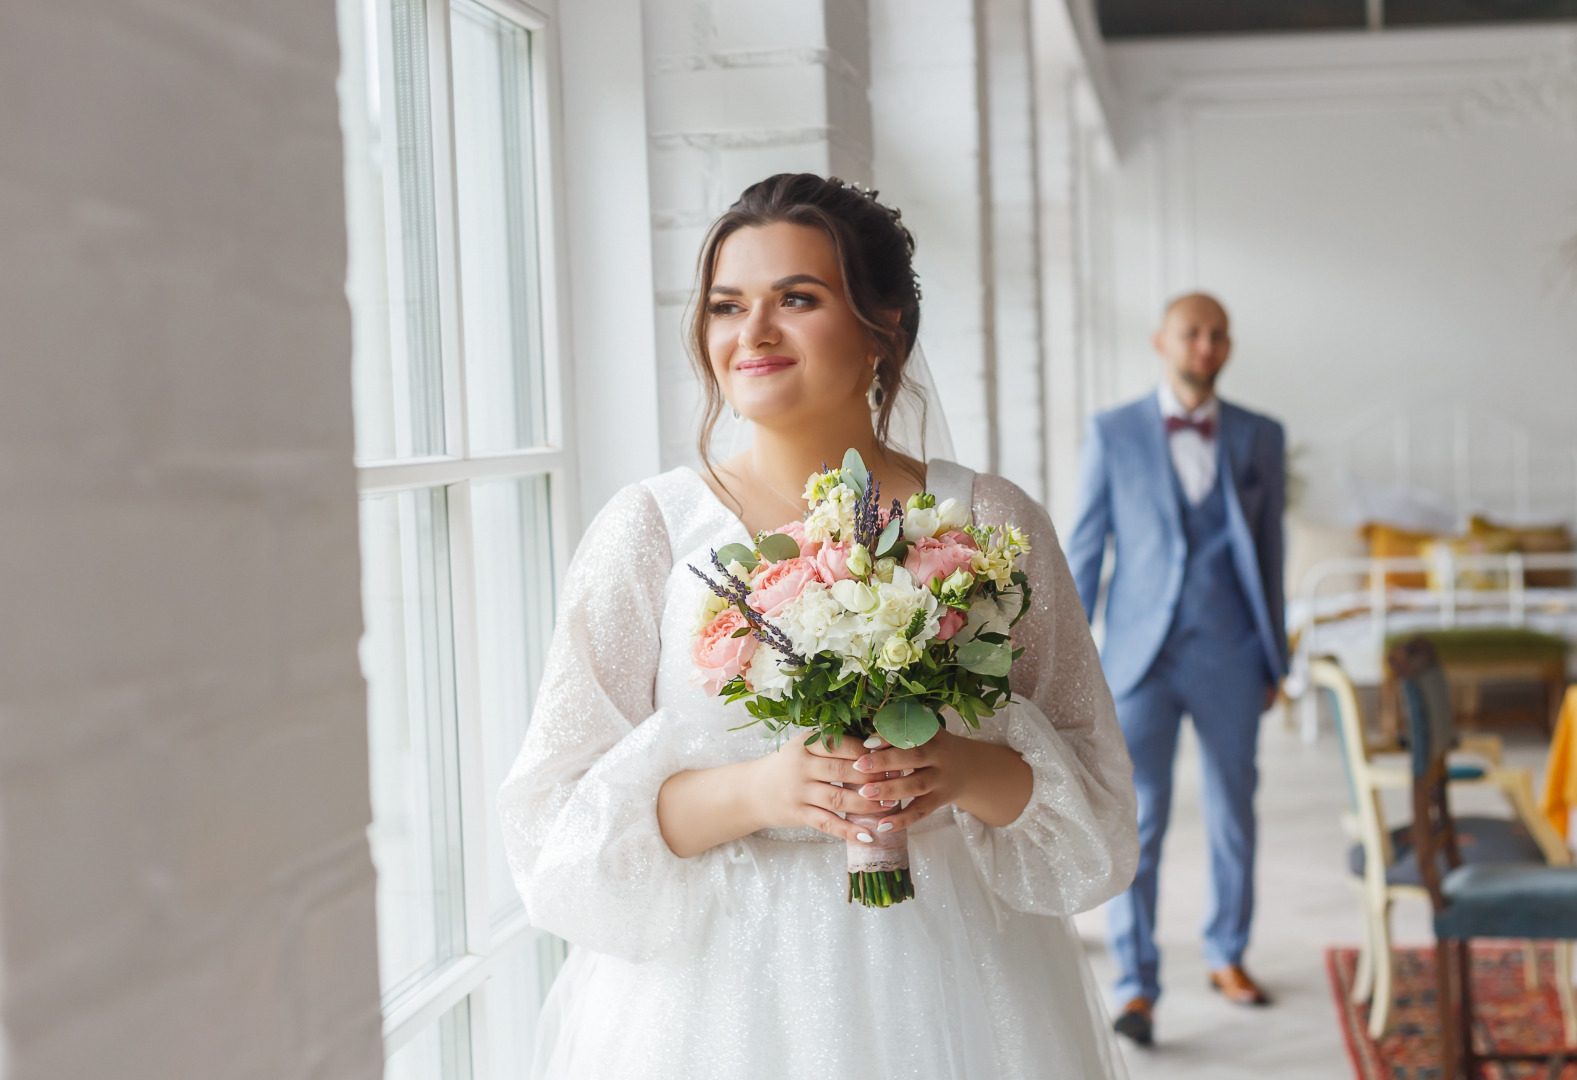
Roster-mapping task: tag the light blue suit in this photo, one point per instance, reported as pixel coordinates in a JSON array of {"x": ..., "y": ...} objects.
[{"x": 1194, "y": 624}]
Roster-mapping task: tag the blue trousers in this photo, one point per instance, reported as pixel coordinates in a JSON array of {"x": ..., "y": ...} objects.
[{"x": 1223, "y": 690}]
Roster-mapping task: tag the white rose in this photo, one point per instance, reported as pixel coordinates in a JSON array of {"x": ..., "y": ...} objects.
[
  {"x": 712, "y": 606},
  {"x": 856, "y": 597},
  {"x": 920, "y": 524},
  {"x": 898, "y": 652},
  {"x": 952, "y": 514}
]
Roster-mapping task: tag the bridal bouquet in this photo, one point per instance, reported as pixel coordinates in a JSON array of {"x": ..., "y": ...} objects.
[{"x": 863, "y": 620}]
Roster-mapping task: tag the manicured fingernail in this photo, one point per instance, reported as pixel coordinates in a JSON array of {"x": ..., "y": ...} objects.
[
  {"x": 870, "y": 791},
  {"x": 864, "y": 764},
  {"x": 885, "y": 826},
  {"x": 866, "y": 838},
  {"x": 873, "y": 742},
  {"x": 889, "y": 803}
]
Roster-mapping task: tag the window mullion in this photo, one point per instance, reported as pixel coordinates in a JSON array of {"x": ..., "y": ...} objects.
[
  {"x": 473, "y": 794},
  {"x": 446, "y": 207}
]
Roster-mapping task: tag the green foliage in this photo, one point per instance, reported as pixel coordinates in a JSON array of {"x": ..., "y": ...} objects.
[
  {"x": 775, "y": 547},
  {"x": 906, "y": 723},
  {"x": 739, "y": 553},
  {"x": 889, "y": 537},
  {"x": 836, "y": 704}
]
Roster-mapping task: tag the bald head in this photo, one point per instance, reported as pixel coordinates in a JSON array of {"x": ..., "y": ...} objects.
[
  {"x": 1194, "y": 342},
  {"x": 1196, "y": 305}
]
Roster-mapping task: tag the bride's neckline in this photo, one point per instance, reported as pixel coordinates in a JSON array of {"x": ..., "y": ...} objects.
[{"x": 739, "y": 524}]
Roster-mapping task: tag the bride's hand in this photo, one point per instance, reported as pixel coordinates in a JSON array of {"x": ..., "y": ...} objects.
[
  {"x": 795, "y": 787},
  {"x": 991, "y": 782}
]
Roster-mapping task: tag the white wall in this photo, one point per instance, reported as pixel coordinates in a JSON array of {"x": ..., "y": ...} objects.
[
  {"x": 1382, "y": 214},
  {"x": 738, "y": 90},
  {"x": 185, "y": 887}
]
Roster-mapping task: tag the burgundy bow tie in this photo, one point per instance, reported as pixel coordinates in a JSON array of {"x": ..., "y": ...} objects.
[{"x": 1205, "y": 425}]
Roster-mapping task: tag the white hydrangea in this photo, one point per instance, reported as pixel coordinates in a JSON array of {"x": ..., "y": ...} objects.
[
  {"x": 816, "y": 622},
  {"x": 766, "y": 675},
  {"x": 833, "y": 517}
]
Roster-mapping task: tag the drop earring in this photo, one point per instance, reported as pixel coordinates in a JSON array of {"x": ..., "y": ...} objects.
[
  {"x": 739, "y": 417},
  {"x": 874, "y": 394}
]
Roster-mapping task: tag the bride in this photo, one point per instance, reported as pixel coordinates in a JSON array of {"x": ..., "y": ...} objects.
[{"x": 697, "y": 871}]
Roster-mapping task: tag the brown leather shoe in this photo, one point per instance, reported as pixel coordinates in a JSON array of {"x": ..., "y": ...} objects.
[
  {"x": 1234, "y": 984},
  {"x": 1135, "y": 1022}
]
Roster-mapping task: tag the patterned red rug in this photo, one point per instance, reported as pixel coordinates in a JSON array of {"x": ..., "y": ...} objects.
[{"x": 1507, "y": 1012}]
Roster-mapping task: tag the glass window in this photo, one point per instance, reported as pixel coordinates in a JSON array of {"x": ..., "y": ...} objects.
[{"x": 456, "y": 404}]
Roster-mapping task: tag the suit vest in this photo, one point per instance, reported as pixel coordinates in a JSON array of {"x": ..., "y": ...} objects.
[{"x": 1212, "y": 608}]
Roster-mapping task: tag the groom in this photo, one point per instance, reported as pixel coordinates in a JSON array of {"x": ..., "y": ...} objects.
[{"x": 1190, "y": 489}]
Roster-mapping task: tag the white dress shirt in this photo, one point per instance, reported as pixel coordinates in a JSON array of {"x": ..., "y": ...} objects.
[{"x": 1193, "y": 456}]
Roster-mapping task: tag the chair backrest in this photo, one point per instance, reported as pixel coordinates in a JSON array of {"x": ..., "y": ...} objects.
[
  {"x": 1326, "y": 674},
  {"x": 1426, "y": 698}
]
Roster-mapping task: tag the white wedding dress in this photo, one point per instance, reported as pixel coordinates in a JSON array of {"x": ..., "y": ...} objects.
[{"x": 746, "y": 960}]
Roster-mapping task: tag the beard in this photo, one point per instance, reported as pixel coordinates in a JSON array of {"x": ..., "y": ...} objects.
[{"x": 1201, "y": 382}]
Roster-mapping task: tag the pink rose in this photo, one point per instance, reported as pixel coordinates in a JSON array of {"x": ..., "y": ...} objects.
[
  {"x": 832, "y": 561},
  {"x": 959, "y": 537},
  {"x": 795, "y": 530},
  {"x": 780, "y": 583},
  {"x": 951, "y": 623},
  {"x": 719, "y": 655},
  {"x": 933, "y": 558}
]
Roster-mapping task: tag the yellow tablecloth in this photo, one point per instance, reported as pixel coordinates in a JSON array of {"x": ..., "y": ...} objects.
[{"x": 1560, "y": 779}]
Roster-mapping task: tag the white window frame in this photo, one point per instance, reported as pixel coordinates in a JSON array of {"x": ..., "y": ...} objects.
[{"x": 413, "y": 1009}]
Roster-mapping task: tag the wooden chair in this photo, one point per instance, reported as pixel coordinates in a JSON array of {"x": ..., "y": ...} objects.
[
  {"x": 1533, "y": 901},
  {"x": 1382, "y": 861}
]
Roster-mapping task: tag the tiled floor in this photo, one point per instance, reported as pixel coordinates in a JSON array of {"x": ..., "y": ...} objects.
[{"x": 1305, "y": 903}]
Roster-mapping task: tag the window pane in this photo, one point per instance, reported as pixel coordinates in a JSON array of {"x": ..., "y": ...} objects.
[
  {"x": 442, "y": 1052},
  {"x": 515, "y": 1000},
  {"x": 514, "y": 600},
  {"x": 392, "y": 277},
  {"x": 407, "y": 654},
  {"x": 495, "y": 181}
]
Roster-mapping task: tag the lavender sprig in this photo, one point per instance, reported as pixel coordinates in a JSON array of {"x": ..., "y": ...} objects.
[
  {"x": 866, "y": 528},
  {"x": 737, "y": 593}
]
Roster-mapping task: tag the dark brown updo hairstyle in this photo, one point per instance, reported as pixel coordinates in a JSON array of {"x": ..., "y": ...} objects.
[{"x": 875, "y": 254}]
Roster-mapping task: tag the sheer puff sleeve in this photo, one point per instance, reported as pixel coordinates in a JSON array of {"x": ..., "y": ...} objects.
[
  {"x": 579, "y": 807},
  {"x": 1076, "y": 843}
]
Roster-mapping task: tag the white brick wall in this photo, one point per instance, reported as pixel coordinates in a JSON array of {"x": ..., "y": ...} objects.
[
  {"x": 185, "y": 888},
  {"x": 926, "y": 106},
  {"x": 737, "y": 90}
]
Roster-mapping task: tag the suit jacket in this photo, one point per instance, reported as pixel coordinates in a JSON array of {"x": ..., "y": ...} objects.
[{"x": 1126, "y": 491}]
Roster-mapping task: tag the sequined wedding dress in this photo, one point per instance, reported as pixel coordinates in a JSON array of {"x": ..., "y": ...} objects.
[{"x": 746, "y": 960}]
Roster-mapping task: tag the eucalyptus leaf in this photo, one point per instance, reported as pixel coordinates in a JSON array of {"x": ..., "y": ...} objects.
[
  {"x": 739, "y": 553},
  {"x": 853, "y": 463},
  {"x": 889, "y": 537},
  {"x": 906, "y": 724},
  {"x": 984, "y": 658},
  {"x": 778, "y": 546}
]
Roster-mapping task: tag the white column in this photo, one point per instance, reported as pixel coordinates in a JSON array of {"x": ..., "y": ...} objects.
[{"x": 609, "y": 250}]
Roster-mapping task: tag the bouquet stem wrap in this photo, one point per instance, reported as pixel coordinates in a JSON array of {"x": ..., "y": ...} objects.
[{"x": 879, "y": 871}]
